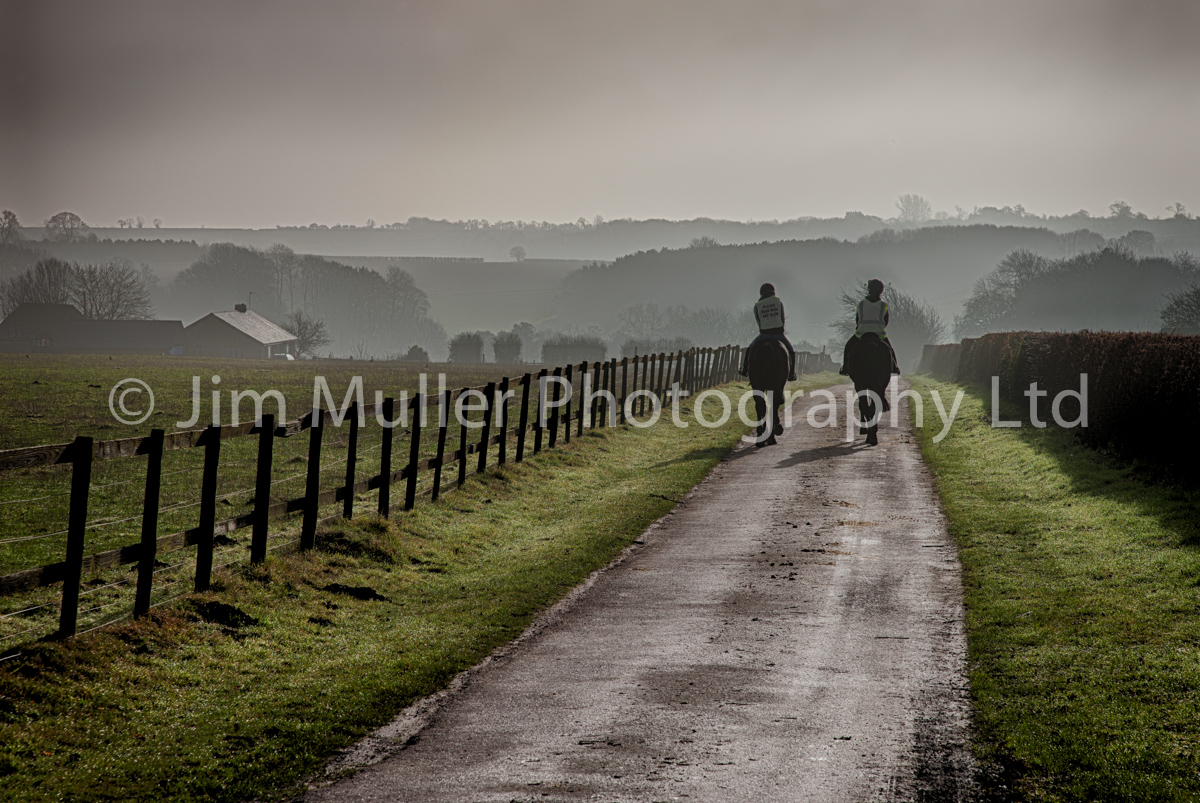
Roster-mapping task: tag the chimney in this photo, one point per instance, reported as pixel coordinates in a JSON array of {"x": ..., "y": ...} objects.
[{"x": 239, "y": 307}]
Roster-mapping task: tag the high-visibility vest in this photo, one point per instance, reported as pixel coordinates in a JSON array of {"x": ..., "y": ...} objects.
[
  {"x": 770, "y": 313},
  {"x": 871, "y": 317}
]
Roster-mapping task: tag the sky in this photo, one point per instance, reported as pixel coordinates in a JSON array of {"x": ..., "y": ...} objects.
[{"x": 257, "y": 114}]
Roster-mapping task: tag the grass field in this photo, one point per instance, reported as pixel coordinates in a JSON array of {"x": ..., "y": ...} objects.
[
  {"x": 241, "y": 693},
  {"x": 1082, "y": 588},
  {"x": 52, "y": 398}
]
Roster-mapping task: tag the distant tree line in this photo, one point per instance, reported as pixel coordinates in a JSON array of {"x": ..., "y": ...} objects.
[{"x": 1111, "y": 288}]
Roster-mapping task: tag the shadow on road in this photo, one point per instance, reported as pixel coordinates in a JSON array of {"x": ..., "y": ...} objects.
[
  {"x": 711, "y": 453},
  {"x": 816, "y": 454}
]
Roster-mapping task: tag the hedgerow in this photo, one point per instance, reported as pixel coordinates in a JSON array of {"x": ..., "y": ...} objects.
[{"x": 1143, "y": 390}]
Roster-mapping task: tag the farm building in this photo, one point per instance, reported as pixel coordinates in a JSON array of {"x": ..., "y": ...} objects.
[
  {"x": 239, "y": 332},
  {"x": 62, "y": 329}
]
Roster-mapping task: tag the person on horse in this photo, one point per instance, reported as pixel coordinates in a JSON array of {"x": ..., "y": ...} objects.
[
  {"x": 870, "y": 316},
  {"x": 768, "y": 311}
]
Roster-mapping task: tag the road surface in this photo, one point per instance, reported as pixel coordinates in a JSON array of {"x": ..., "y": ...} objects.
[{"x": 792, "y": 631}]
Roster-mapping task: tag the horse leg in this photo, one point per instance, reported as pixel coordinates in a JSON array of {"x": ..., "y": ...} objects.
[
  {"x": 873, "y": 436},
  {"x": 760, "y": 413},
  {"x": 868, "y": 411},
  {"x": 776, "y": 427}
]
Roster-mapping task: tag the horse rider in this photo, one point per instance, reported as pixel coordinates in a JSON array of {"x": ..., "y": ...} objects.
[
  {"x": 768, "y": 311},
  {"x": 870, "y": 317}
]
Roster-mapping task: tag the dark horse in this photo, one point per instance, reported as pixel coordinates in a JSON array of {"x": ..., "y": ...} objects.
[
  {"x": 767, "y": 363},
  {"x": 871, "y": 369}
]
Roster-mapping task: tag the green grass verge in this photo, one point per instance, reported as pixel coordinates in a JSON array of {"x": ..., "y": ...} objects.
[
  {"x": 1082, "y": 590},
  {"x": 196, "y": 703}
]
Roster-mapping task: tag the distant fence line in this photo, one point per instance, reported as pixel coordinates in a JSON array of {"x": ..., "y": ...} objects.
[{"x": 693, "y": 370}]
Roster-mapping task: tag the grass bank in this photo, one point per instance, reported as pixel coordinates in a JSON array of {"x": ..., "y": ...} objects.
[
  {"x": 244, "y": 692},
  {"x": 1082, "y": 584}
]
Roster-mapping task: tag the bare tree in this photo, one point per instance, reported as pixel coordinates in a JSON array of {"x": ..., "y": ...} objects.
[
  {"x": 1181, "y": 315},
  {"x": 283, "y": 266},
  {"x": 405, "y": 299},
  {"x": 310, "y": 332},
  {"x": 10, "y": 227},
  {"x": 507, "y": 348},
  {"x": 467, "y": 347},
  {"x": 65, "y": 227},
  {"x": 116, "y": 291},
  {"x": 517, "y": 252},
  {"x": 158, "y": 223},
  {"x": 47, "y": 282},
  {"x": 703, "y": 242},
  {"x": 1120, "y": 209},
  {"x": 642, "y": 321},
  {"x": 913, "y": 209}
]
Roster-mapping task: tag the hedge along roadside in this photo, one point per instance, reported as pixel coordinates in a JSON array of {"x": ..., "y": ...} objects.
[{"x": 1143, "y": 390}]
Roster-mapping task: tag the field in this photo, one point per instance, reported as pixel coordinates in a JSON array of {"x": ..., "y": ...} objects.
[
  {"x": 1082, "y": 587},
  {"x": 51, "y": 399}
]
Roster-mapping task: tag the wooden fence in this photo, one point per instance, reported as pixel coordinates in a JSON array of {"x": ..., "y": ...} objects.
[{"x": 693, "y": 370}]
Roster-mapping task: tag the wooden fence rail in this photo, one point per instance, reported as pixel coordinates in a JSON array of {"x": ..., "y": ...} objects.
[{"x": 693, "y": 370}]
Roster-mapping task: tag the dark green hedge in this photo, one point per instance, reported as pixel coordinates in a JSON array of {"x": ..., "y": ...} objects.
[{"x": 1143, "y": 389}]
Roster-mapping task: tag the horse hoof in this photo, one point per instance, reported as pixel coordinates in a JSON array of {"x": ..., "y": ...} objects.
[
  {"x": 771, "y": 441},
  {"x": 872, "y": 439},
  {"x": 760, "y": 445}
]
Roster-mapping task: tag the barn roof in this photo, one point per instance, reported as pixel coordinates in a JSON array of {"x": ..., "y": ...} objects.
[
  {"x": 256, "y": 326},
  {"x": 38, "y": 320},
  {"x": 118, "y": 336}
]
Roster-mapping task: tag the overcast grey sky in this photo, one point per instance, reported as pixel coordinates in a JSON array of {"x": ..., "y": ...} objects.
[{"x": 257, "y": 114}]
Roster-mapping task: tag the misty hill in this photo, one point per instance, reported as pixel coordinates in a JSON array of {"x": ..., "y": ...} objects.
[
  {"x": 939, "y": 264},
  {"x": 470, "y": 295},
  {"x": 607, "y": 240}
]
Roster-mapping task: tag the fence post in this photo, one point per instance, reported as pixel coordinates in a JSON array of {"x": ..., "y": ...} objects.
[
  {"x": 502, "y": 421},
  {"x": 443, "y": 425},
  {"x": 351, "y": 463},
  {"x": 567, "y": 407},
  {"x": 149, "y": 550},
  {"x": 414, "y": 450},
  {"x": 648, "y": 381},
  {"x": 262, "y": 488},
  {"x": 81, "y": 481},
  {"x": 463, "y": 447},
  {"x": 625, "y": 386},
  {"x": 612, "y": 388},
  {"x": 554, "y": 415},
  {"x": 385, "y": 459},
  {"x": 489, "y": 404},
  {"x": 208, "y": 507},
  {"x": 312, "y": 482},
  {"x": 524, "y": 419},
  {"x": 583, "y": 369},
  {"x": 600, "y": 379},
  {"x": 541, "y": 411}
]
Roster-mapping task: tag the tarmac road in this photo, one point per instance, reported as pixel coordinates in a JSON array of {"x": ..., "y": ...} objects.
[{"x": 793, "y": 631}]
